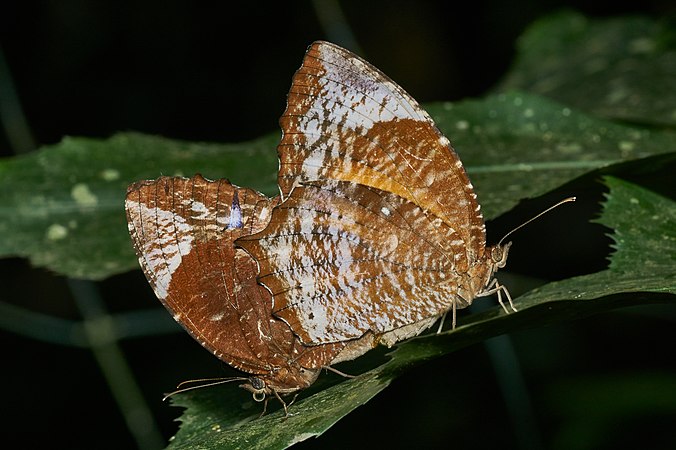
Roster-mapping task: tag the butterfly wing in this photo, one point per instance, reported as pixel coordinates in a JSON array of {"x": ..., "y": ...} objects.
[
  {"x": 183, "y": 232},
  {"x": 341, "y": 259},
  {"x": 346, "y": 120},
  {"x": 320, "y": 257}
]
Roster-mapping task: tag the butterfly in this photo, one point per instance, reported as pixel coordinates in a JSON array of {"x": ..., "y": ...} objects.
[
  {"x": 183, "y": 230},
  {"x": 378, "y": 230}
]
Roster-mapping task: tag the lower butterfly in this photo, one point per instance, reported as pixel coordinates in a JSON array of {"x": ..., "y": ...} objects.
[{"x": 183, "y": 231}]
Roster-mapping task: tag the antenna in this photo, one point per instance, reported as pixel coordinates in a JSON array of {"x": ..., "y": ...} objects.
[
  {"x": 209, "y": 382},
  {"x": 565, "y": 200}
]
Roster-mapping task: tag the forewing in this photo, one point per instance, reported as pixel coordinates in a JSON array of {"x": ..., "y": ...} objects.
[{"x": 346, "y": 120}]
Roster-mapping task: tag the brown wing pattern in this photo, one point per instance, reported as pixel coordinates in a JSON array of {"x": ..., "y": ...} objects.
[
  {"x": 346, "y": 120},
  {"x": 342, "y": 259},
  {"x": 378, "y": 233},
  {"x": 354, "y": 145},
  {"x": 183, "y": 231}
]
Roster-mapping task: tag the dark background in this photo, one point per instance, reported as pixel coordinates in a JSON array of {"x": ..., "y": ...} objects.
[{"x": 219, "y": 71}]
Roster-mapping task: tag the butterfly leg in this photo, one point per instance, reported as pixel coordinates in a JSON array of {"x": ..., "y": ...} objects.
[
  {"x": 265, "y": 407},
  {"x": 441, "y": 322},
  {"x": 342, "y": 374},
  {"x": 509, "y": 297},
  {"x": 499, "y": 289},
  {"x": 293, "y": 399},
  {"x": 443, "y": 319},
  {"x": 284, "y": 405},
  {"x": 496, "y": 288}
]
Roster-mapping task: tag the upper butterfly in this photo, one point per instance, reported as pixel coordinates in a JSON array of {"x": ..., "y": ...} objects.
[{"x": 379, "y": 229}]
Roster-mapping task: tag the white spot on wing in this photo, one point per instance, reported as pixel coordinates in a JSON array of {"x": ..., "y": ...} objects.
[
  {"x": 260, "y": 331},
  {"x": 361, "y": 98},
  {"x": 201, "y": 210},
  {"x": 166, "y": 239}
]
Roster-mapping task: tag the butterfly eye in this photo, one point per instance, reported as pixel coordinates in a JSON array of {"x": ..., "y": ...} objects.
[
  {"x": 499, "y": 254},
  {"x": 257, "y": 389},
  {"x": 496, "y": 254},
  {"x": 257, "y": 384}
]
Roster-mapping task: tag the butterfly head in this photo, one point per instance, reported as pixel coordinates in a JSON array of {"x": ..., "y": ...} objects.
[
  {"x": 495, "y": 258},
  {"x": 498, "y": 255},
  {"x": 279, "y": 381},
  {"x": 258, "y": 388}
]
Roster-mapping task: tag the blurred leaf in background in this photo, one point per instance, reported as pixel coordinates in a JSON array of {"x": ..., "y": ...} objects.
[{"x": 621, "y": 68}]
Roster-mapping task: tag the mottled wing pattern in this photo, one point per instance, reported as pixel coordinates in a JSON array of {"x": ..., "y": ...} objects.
[
  {"x": 183, "y": 231},
  {"x": 346, "y": 120},
  {"x": 365, "y": 260},
  {"x": 337, "y": 267}
]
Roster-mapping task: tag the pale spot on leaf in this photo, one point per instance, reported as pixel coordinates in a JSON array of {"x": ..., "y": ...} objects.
[
  {"x": 83, "y": 196},
  {"x": 56, "y": 232},
  {"x": 110, "y": 174}
]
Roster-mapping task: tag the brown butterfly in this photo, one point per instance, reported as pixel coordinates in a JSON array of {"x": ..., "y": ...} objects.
[
  {"x": 183, "y": 231},
  {"x": 378, "y": 230}
]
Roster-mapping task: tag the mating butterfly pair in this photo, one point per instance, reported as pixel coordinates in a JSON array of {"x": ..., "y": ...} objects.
[{"x": 377, "y": 234}]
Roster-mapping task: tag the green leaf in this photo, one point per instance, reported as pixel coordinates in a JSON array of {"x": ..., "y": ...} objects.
[
  {"x": 62, "y": 206},
  {"x": 643, "y": 221},
  {"x": 645, "y": 244},
  {"x": 211, "y": 422},
  {"x": 621, "y": 68},
  {"x": 519, "y": 145},
  {"x": 632, "y": 211}
]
